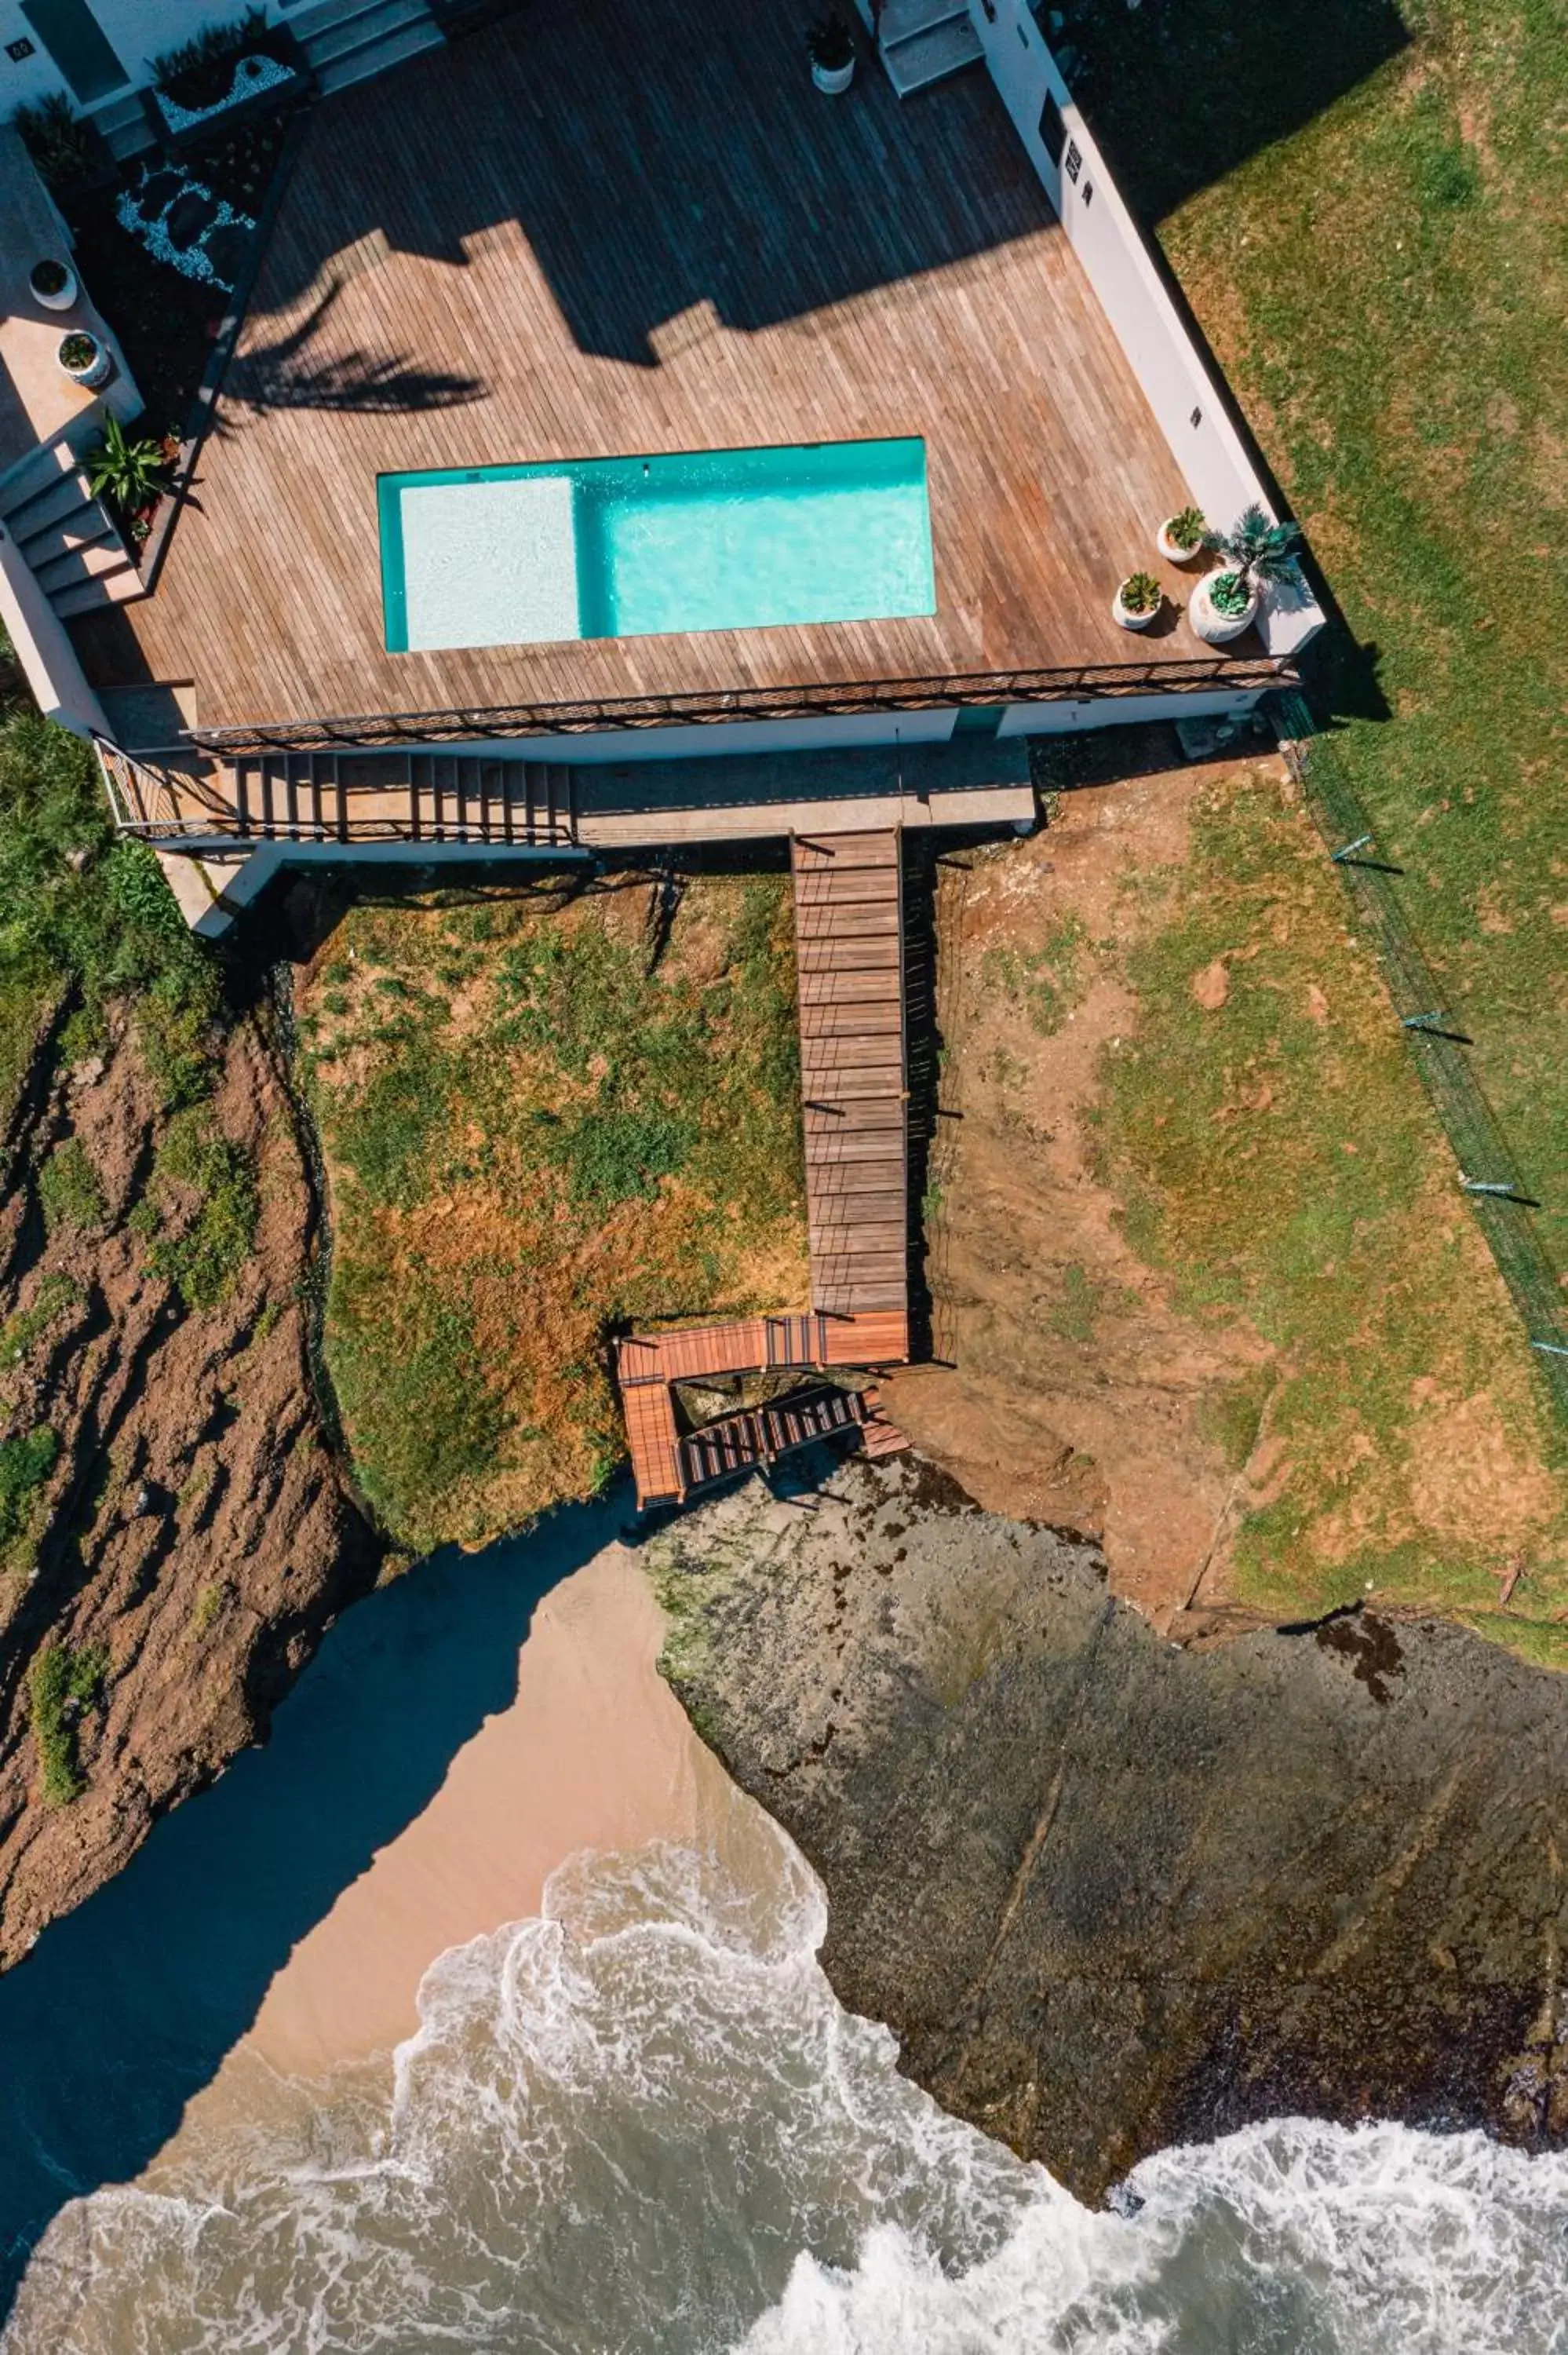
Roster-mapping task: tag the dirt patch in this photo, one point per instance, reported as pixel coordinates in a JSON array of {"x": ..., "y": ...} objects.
[
  {"x": 1203, "y": 1285},
  {"x": 1076, "y": 1394}
]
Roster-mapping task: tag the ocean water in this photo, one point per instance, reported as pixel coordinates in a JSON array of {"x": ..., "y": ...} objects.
[{"x": 641, "y": 2122}]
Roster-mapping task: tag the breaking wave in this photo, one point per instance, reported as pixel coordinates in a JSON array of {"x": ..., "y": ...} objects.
[{"x": 642, "y": 2122}]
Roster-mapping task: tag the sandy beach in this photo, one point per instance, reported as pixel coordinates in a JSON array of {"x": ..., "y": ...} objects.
[{"x": 595, "y": 1752}]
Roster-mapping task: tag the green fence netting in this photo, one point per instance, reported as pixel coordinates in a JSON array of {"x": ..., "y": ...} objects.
[{"x": 1496, "y": 1189}]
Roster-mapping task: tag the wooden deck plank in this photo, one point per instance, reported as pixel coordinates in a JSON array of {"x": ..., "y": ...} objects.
[{"x": 539, "y": 223}]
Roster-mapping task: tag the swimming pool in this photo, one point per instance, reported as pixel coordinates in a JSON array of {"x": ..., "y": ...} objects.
[{"x": 625, "y": 548}]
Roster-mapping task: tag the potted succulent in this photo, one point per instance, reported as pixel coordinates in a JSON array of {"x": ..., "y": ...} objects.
[
  {"x": 1138, "y": 600},
  {"x": 53, "y": 284},
  {"x": 84, "y": 359},
  {"x": 829, "y": 45},
  {"x": 1181, "y": 536},
  {"x": 1259, "y": 554}
]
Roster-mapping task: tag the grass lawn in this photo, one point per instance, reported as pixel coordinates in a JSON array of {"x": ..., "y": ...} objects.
[
  {"x": 1368, "y": 210},
  {"x": 531, "y": 1137},
  {"x": 1271, "y": 1147}
]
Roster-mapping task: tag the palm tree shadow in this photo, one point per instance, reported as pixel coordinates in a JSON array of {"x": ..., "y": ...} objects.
[
  {"x": 126, "y": 2007},
  {"x": 284, "y": 374}
]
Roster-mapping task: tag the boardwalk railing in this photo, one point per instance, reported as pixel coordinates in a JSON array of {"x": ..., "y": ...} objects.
[{"x": 1189, "y": 674}]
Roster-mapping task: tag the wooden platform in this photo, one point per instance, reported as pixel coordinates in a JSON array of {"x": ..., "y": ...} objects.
[
  {"x": 667, "y": 1465},
  {"x": 611, "y": 227}
]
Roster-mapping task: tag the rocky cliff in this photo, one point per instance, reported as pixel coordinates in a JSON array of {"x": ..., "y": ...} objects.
[
  {"x": 1109, "y": 1895},
  {"x": 177, "y": 1538}
]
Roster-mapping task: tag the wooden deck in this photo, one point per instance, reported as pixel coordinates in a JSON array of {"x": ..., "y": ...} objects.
[{"x": 609, "y": 227}]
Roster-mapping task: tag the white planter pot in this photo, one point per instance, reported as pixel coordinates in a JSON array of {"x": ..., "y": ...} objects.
[
  {"x": 1215, "y": 628},
  {"x": 65, "y": 298},
  {"x": 1170, "y": 551},
  {"x": 833, "y": 79},
  {"x": 1131, "y": 621},
  {"x": 96, "y": 371}
]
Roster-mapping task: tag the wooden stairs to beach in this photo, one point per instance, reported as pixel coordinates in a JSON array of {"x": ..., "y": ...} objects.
[
  {"x": 849, "y": 948},
  {"x": 849, "y": 951}
]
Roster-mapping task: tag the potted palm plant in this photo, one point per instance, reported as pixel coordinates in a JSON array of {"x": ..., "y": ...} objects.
[
  {"x": 829, "y": 45},
  {"x": 84, "y": 359},
  {"x": 1181, "y": 536},
  {"x": 1138, "y": 600},
  {"x": 1259, "y": 554},
  {"x": 53, "y": 284},
  {"x": 131, "y": 475}
]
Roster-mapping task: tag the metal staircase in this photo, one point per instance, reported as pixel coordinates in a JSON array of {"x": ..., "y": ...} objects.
[
  {"x": 180, "y": 798},
  {"x": 72, "y": 546}
]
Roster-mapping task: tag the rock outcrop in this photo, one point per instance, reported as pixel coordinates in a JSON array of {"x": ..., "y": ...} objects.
[
  {"x": 193, "y": 1533},
  {"x": 1109, "y": 1895}
]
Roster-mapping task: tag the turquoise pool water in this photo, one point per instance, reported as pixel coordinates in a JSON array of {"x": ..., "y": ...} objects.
[{"x": 626, "y": 547}]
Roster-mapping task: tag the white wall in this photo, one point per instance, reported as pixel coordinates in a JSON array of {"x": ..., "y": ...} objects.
[
  {"x": 1122, "y": 711},
  {"x": 43, "y": 647},
  {"x": 137, "y": 30},
  {"x": 823, "y": 735},
  {"x": 1176, "y": 383}
]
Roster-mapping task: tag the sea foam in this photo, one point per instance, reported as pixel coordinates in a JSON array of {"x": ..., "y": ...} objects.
[{"x": 643, "y": 2122}]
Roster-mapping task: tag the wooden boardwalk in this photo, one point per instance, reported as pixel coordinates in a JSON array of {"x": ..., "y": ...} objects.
[
  {"x": 602, "y": 229},
  {"x": 849, "y": 950}
]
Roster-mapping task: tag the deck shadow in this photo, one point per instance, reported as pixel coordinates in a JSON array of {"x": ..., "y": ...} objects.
[{"x": 126, "y": 2007}]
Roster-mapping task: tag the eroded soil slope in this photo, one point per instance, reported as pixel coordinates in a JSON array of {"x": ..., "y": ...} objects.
[
  {"x": 174, "y": 1536},
  {"x": 1200, "y": 1267}
]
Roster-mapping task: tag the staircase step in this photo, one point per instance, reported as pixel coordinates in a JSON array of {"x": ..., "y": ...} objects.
[
  {"x": 106, "y": 589},
  {"x": 902, "y": 20},
  {"x": 39, "y": 476},
  {"x": 90, "y": 561},
  {"x": 122, "y": 122},
  {"x": 369, "y": 40},
  {"x": 85, "y": 525},
  {"x": 932, "y": 56},
  {"x": 67, "y": 499}
]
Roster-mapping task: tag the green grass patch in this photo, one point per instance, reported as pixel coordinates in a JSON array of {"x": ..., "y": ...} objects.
[
  {"x": 70, "y": 1194},
  {"x": 1277, "y": 1156},
  {"x": 1075, "y": 1312},
  {"x": 62, "y": 1682},
  {"x": 18, "y": 1333},
  {"x": 551, "y": 1141},
  {"x": 27, "y": 1461},
  {"x": 1386, "y": 287},
  {"x": 203, "y": 1257},
  {"x": 1046, "y": 984}
]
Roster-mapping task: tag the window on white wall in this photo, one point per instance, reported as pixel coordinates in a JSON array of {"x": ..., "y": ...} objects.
[
  {"x": 78, "y": 46},
  {"x": 1053, "y": 129}
]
